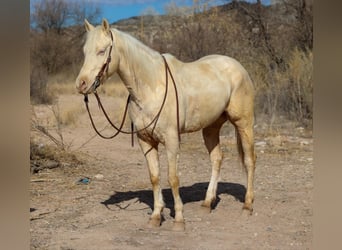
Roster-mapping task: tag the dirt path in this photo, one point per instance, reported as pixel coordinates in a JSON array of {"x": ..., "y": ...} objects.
[{"x": 112, "y": 210}]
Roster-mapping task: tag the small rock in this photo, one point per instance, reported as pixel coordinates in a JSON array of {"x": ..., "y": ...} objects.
[
  {"x": 304, "y": 143},
  {"x": 99, "y": 176},
  {"x": 52, "y": 164},
  {"x": 260, "y": 143},
  {"x": 276, "y": 141}
]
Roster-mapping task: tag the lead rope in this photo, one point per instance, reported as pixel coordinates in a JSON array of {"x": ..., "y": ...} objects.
[
  {"x": 93, "y": 124},
  {"x": 167, "y": 68},
  {"x": 155, "y": 119}
]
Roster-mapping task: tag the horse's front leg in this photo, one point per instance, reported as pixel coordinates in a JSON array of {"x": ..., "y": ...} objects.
[
  {"x": 172, "y": 150},
  {"x": 150, "y": 151}
]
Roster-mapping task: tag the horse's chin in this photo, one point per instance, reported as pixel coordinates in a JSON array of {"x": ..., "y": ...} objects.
[
  {"x": 84, "y": 92},
  {"x": 90, "y": 90}
]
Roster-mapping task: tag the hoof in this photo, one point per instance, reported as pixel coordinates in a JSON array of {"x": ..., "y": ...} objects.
[
  {"x": 178, "y": 226},
  {"x": 247, "y": 211},
  {"x": 205, "y": 209},
  {"x": 248, "y": 207},
  {"x": 153, "y": 223}
]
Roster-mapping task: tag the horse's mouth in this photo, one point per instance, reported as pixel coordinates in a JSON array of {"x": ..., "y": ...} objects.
[
  {"x": 87, "y": 91},
  {"x": 93, "y": 87},
  {"x": 84, "y": 89}
]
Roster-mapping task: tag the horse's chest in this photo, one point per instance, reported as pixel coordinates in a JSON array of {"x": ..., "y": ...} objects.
[{"x": 146, "y": 121}]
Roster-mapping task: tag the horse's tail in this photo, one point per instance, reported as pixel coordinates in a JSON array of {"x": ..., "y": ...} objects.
[{"x": 240, "y": 148}]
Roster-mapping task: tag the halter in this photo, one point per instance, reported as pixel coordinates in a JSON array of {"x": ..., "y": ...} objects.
[{"x": 104, "y": 68}]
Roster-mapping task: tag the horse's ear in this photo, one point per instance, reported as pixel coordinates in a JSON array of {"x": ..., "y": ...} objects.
[
  {"x": 105, "y": 26},
  {"x": 88, "y": 26}
]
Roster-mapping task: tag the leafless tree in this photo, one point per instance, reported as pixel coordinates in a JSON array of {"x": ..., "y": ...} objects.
[
  {"x": 302, "y": 11},
  {"x": 55, "y": 40},
  {"x": 278, "y": 28},
  {"x": 54, "y": 15},
  {"x": 258, "y": 25}
]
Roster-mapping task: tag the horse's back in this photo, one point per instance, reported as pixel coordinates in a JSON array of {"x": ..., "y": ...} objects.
[
  {"x": 209, "y": 71},
  {"x": 224, "y": 65}
]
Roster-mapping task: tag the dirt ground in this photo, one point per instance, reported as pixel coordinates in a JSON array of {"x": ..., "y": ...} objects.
[{"x": 112, "y": 210}]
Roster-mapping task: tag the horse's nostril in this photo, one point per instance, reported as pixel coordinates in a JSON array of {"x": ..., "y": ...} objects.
[{"x": 82, "y": 85}]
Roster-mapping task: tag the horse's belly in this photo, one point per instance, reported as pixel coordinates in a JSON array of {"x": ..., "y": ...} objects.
[{"x": 201, "y": 114}]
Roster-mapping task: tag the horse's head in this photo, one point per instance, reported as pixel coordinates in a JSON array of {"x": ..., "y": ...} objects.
[{"x": 100, "y": 59}]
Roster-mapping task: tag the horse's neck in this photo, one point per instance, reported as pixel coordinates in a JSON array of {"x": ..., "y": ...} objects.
[{"x": 139, "y": 66}]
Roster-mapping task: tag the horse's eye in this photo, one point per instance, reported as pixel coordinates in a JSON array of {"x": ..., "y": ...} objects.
[{"x": 101, "y": 52}]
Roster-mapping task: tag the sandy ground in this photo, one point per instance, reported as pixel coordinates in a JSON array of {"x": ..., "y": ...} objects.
[{"x": 111, "y": 212}]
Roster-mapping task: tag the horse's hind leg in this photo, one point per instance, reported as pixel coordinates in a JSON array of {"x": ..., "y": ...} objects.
[
  {"x": 150, "y": 151},
  {"x": 246, "y": 147},
  {"x": 241, "y": 114},
  {"x": 211, "y": 136}
]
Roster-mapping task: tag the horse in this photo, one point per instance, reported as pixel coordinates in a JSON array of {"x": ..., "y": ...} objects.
[{"x": 205, "y": 94}]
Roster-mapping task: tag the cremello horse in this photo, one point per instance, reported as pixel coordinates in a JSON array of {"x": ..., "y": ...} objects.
[{"x": 210, "y": 91}]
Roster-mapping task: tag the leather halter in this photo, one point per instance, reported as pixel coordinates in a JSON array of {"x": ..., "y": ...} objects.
[{"x": 104, "y": 68}]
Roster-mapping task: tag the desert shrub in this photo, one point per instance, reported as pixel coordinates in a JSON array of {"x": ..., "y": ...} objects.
[
  {"x": 297, "y": 87},
  {"x": 51, "y": 129},
  {"x": 45, "y": 156},
  {"x": 48, "y": 148},
  {"x": 38, "y": 86},
  {"x": 286, "y": 92},
  {"x": 70, "y": 116}
]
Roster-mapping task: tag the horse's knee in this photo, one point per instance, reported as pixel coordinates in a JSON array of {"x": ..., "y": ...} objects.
[
  {"x": 154, "y": 179},
  {"x": 173, "y": 181}
]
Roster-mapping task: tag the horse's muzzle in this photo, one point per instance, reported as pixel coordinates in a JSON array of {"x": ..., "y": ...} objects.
[
  {"x": 92, "y": 88},
  {"x": 82, "y": 87}
]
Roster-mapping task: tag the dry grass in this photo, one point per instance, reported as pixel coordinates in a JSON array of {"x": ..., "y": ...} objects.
[
  {"x": 301, "y": 84},
  {"x": 43, "y": 156},
  {"x": 285, "y": 92},
  {"x": 60, "y": 85},
  {"x": 296, "y": 87},
  {"x": 70, "y": 115},
  {"x": 62, "y": 88},
  {"x": 56, "y": 115},
  {"x": 48, "y": 123},
  {"x": 113, "y": 88}
]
